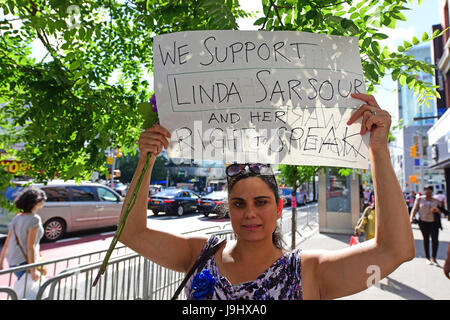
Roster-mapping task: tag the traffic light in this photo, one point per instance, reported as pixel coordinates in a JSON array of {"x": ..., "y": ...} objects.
[
  {"x": 413, "y": 151},
  {"x": 118, "y": 153}
]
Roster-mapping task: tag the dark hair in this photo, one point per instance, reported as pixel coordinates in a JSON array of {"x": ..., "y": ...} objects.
[
  {"x": 272, "y": 184},
  {"x": 429, "y": 188},
  {"x": 29, "y": 198}
]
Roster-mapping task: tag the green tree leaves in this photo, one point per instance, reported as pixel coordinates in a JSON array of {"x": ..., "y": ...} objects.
[{"x": 362, "y": 19}]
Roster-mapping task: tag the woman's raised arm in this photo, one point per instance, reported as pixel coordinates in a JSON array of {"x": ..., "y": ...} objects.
[
  {"x": 344, "y": 272},
  {"x": 172, "y": 251}
]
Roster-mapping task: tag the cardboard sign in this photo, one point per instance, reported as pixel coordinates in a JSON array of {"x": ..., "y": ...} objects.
[{"x": 257, "y": 96}]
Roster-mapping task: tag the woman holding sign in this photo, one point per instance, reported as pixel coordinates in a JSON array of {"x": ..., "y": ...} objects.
[{"x": 255, "y": 266}]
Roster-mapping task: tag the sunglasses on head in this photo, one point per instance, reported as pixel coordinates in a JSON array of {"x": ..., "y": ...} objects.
[{"x": 258, "y": 168}]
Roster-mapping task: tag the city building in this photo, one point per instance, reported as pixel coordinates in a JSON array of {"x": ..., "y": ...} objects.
[
  {"x": 409, "y": 152},
  {"x": 439, "y": 133}
]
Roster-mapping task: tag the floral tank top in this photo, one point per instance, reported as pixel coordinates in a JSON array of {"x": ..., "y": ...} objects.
[{"x": 281, "y": 281}]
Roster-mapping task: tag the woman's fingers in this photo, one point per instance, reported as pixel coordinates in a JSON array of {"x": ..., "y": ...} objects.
[
  {"x": 150, "y": 146},
  {"x": 359, "y": 113},
  {"x": 367, "y": 98},
  {"x": 374, "y": 119},
  {"x": 152, "y": 143},
  {"x": 152, "y": 136},
  {"x": 366, "y": 116},
  {"x": 153, "y": 139},
  {"x": 160, "y": 129}
]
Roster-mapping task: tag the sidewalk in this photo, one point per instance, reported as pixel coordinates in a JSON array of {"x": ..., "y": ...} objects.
[{"x": 413, "y": 280}]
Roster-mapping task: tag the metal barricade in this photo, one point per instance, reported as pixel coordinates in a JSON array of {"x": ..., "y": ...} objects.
[
  {"x": 55, "y": 266},
  {"x": 10, "y": 292},
  {"x": 128, "y": 276},
  {"x": 123, "y": 280},
  {"x": 307, "y": 217},
  {"x": 59, "y": 268}
]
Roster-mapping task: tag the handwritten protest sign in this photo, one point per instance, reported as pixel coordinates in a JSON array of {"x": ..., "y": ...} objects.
[{"x": 256, "y": 96}]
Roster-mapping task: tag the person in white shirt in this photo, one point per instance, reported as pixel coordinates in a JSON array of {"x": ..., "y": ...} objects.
[{"x": 427, "y": 206}]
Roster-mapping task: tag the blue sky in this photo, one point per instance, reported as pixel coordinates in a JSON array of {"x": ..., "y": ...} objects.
[{"x": 418, "y": 20}]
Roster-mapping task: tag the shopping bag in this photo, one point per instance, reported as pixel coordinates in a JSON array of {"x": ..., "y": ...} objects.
[
  {"x": 26, "y": 288},
  {"x": 354, "y": 240}
]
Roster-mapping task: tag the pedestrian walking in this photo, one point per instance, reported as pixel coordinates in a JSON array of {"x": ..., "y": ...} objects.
[
  {"x": 25, "y": 232},
  {"x": 410, "y": 200},
  {"x": 429, "y": 222},
  {"x": 255, "y": 265},
  {"x": 21, "y": 246}
]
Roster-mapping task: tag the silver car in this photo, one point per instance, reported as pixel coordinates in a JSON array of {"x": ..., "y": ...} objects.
[{"x": 71, "y": 207}]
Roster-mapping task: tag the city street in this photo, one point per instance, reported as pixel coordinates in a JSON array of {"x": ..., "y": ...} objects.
[
  {"x": 79, "y": 243},
  {"x": 81, "y": 248}
]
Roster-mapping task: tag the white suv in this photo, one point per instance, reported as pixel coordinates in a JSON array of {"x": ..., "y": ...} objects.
[{"x": 73, "y": 207}]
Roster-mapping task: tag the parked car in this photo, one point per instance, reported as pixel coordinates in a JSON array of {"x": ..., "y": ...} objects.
[
  {"x": 215, "y": 202},
  {"x": 74, "y": 207},
  {"x": 173, "y": 201}
]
